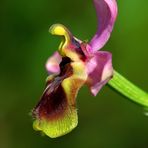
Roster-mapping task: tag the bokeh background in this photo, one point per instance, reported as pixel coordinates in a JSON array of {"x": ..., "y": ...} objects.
[{"x": 107, "y": 121}]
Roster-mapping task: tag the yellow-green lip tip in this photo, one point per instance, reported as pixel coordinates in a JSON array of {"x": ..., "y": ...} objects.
[{"x": 57, "y": 128}]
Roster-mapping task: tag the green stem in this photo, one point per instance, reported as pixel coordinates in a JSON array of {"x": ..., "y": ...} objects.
[{"x": 128, "y": 89}]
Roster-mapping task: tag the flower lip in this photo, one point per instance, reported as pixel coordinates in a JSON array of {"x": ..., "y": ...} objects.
[{"x": 56, "y": 112}]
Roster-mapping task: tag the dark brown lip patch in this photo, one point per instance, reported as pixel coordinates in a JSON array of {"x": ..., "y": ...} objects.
[{"x": 53, "y": 103}]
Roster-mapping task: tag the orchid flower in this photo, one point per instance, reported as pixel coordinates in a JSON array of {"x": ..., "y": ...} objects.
[{"x": 75, "y": 64}]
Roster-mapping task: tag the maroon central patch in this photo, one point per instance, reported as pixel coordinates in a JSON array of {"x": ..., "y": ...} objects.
[{"x": 54, "y": 102}]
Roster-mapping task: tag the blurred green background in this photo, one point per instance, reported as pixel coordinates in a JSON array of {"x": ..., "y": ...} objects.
[{"x": 107, "y": 121}]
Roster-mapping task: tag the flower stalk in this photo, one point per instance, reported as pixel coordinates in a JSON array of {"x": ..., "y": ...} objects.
[{"x": 128, "y": 89}]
